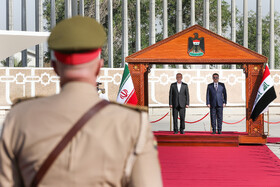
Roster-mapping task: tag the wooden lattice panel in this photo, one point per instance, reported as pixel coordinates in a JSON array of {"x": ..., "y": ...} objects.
[
  {"x": 254, "y": 74},
  {"x": 139, "y": 76}
]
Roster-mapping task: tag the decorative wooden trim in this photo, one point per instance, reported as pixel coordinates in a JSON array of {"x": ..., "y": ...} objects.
[
  {"x": 260, "y": 58},
  {"x": 194, "y": 61}
]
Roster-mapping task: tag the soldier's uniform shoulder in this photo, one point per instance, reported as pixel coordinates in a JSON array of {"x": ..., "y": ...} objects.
[
  {"x": 132, "y": 107},
  {"x": 21, "y": 100}
]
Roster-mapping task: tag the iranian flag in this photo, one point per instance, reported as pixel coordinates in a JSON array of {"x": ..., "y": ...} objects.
[
  {"x": 266, "y": 94},
  {"x": 127, "y": 92}
]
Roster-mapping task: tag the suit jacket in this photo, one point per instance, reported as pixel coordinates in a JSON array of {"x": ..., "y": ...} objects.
[
  {"x": 96, "y": 156},
  {"x": 179, "y": 99},
  {"x": 216, "y": 98}
]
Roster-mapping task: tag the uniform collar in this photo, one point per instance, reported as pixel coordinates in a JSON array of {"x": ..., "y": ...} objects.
[{"x": 80, "y": 88}]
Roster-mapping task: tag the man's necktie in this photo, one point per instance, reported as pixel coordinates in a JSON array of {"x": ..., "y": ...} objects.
[{"x": 216, "y": 87}]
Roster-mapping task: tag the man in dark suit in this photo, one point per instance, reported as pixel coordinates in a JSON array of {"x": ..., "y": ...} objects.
[
  {"x": 216, "y": 99},
  {"x": 179, "y": 101}
]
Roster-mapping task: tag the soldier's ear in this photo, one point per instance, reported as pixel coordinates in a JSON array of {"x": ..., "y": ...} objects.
[{"x": 100, "y": 65}]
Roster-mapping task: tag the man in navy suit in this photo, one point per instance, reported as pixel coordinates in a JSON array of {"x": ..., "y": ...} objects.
[
  {"x": 179, "y": 101},
  {"x": 216, "y": 99}
]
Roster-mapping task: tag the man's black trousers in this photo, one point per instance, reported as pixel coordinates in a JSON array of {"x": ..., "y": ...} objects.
[
  {"x": 216, "y": 115},
  {"x": 182, "y": 112}
]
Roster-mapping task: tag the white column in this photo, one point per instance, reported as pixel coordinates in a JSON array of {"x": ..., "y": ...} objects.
[
  {"x": 39, "y": 28},
  {"x": 179, "y": 22},
  {"x": 259, "y": 26},
  {"x": 192, "y": 12},
  {"x": 206, "y": 14},
  {"x": 179, "y": 16},
  {"x": 138, "y": 26},
  {"x": 53, "y": 14},
  {"x": 110, "y": 35},
  {"x": 9, "y": 14},
  {"x": 233, "y": 25},
  {"x": 271, "y": 42},
  {"x": 68, "y": 9},
  {"x": 165, "y": 24},
  {"x": 81, "y": 8},
  {"x": 9, "y": 26},
  {"x": 219, "y": 22},
  {"x": 206, "y": 21},
  {"x": 152, "y": 35},
  {"x": 23, "y": 28},
  {"x": 74, "y": 8},
  {"x": 193, "y": 22},
  {"x": 124, "y": 32},
  {"x": 245, "y": 23},
  {"x": 219, "y": 17},
  {"x": 152, "y": 38},
  {"x": 97, "y": 13}
]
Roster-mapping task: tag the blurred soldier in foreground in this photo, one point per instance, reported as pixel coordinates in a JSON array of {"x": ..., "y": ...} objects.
[{"x": 114, "y": 148}]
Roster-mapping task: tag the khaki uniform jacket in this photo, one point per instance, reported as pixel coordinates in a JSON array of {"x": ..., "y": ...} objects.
[{"x": 96, "y": 156}]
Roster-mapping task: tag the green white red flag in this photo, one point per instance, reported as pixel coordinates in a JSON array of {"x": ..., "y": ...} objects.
[
  {"x": 127, "y": 92},
  {"x": 266, "y": 94}
]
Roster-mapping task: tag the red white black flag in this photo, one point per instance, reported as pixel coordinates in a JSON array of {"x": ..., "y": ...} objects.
[{"x": 266, "y": 94}]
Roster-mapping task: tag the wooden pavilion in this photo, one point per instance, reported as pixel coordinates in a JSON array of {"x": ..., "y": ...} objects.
[{"x": 210, "y": 49}]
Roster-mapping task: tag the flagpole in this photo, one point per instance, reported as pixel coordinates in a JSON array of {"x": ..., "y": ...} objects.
[
  {"x": 267, "y": 113},
  {"x": 170, "y": 119}
]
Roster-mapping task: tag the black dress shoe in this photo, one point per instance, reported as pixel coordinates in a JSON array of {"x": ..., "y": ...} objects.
[
  {"x": 213, "y": 132},
  {"x": 175, "y": 132},
  {"x": 182, "y": 132},
  {"x": 219, "y": 132}
]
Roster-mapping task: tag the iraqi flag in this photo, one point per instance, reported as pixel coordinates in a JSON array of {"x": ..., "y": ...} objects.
[
  {"x": 266, "y": 94},
  {"x": 127, "y": 92}
]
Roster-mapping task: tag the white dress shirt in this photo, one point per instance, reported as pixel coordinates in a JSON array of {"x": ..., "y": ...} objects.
[
  {"x": 179, "y": 86},
  {"x": 216, "y": 86}
]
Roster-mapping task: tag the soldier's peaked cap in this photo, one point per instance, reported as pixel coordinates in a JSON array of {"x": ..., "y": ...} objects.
[{"x": 77, "y": 34}]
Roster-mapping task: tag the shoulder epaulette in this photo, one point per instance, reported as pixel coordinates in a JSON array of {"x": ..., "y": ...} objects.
[
  {"x": 133, "y": 107},
  {"x": 22, "y": 99}
]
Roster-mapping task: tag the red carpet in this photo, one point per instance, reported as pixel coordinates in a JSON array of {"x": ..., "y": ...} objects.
[
  {"x": 273, "y": 140},
  {"x": 219, "y": 166}
]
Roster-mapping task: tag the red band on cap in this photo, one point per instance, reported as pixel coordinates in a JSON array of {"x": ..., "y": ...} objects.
[{"x": 77, "y": 58}]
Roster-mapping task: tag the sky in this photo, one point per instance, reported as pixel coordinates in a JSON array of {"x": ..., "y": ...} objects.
[{"x": 31, "y": 11}]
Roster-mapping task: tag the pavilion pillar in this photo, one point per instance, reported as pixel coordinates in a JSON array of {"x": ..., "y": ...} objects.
[
  {"x": 139, "y": 75},
  {"x": 254, "y": 74}
]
